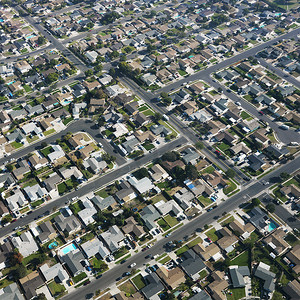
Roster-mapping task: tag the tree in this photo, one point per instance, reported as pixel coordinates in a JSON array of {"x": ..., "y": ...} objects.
[
  {"x": 9, "y": 167},
  {"x": 6, "y": 219},
  {"x": 255, "y": 202},
  {"x": 16, "y": 258},
  {"x": 20, "y": 272},
  {"x": 141, "y": 173},
  {"x": 41, "y": 297},
  {"x": 199, "y": 145},
  {"x": 41, "y": 40},
  {"x": 52, "y": 77},
  {"x": 270, "y": 207},
  {"x": 170, "y": 156},
  {"x": 157, "y": 116},
  {"x": 98, "y": 67},
  {"x": 230, "y": 173},
  {"x": 191, "y": 172},
  {"x": 89, "y": 73},
  {"x": 284, "y": 176},
  {"x": 123, "y": 58},
  {"x": 114, "y": 54}
]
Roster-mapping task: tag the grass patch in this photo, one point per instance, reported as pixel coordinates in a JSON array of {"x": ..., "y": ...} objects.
[
  {"x": 87, "y": 237},
  {"x": 127, "y": 288},
  {"x": 99, "y": 265},
  {"x": 182, "y": 73},
  {"x": 27, "y": 88},
  {"x": 30, "y": 140},
  {"x": 212, "y": 234},
  {"x": 163, "y": 224},
  {"x": 227, "y": 221},
  {"x": 230, "y": 188},
  {"x": 76, "y": 207},
  {"x": 47, "y": 151},
  {"x": 48, "y": 132},
  {"x": 121, "y": 252},
  {"x": 37, "y": 203},
  {"x": 56, "y": 289},
  {"x": 79, "y": 277},
  {"x": 165, "y": 259},
  {"x": 245, "y": 115},
  {"x": 138, "y": 281},
  {"x": 158, "y": 198},
  {"x": 24, "y": 210},
  {"x": 62, "y": 188},
  {"x": 208, "y": 170},
  {"x": 194, "y": 242},
  {"x": 148, "y": 146},
  {"x": 181, "y": 250},
  {"x": 241, "y": 260},
  {"x": 171, "y": 220},
  {"x": 203, "y": 274},
  {"x": 16, "y": 145},
  {"x": 205, "y": 201},
  {"x": 237, "y": 293},
  {"x": 223, "y": 147},
  {"x": 123, "y": 258},
  {"x": 67, "y": 121},
  {"x": 5, "y": 282}
]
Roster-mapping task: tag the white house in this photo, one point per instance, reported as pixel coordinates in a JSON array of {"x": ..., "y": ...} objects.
[
  {"x": 86, "y": 215},
  {"x": 25, "y": 244}
]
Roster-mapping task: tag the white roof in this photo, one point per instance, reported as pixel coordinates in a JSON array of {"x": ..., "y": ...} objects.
[
  {"x": 25, "y": 243},
  {"x": 58, "y": 153},
  {"x": 86, "y": 215},
  {"x": 166, "y": 207},
  {"x": 55, "y": 271},
  {"x": 35, "y": 192},
  {"x": 93, "y": 247},
  {"x": 143, "y": 185},
  {"x": 120, "y": 128}
]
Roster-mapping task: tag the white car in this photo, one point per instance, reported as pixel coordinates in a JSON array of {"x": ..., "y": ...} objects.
[{"x": 132, "y": 265}]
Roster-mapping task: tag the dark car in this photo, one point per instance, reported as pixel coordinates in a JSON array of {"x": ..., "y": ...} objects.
[
  {"x": 126, "y": 274},
  {"x": 123, "y": 261},
  {"x": 87, "y": 282},
  {"x": 119, "y": 278},
  {"x": 99, "y": 276},
  {"x": 148, "y": 256}
]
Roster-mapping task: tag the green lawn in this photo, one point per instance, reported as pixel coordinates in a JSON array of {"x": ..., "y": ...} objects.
[
  {"x": 16, "y": 145},
  {"x": 62, "y": 188},
  {"x": 99, "y": 265},
  {"x": 245, "y": 115},
  {"x": 223, "y": 147},
  {"x": 121, "y": 252},
  {"x": 212, "y": 234},
  {"x": 203, "y": 274},
  {"x": 143, "y": 108},
  {"x": 47, "y": 150},
  {"x": 79, "y": 277},
  {"x": 205, "y": 201},
  {"x": 27, "y": 88},
  {"x": 182, "y": 73},
  {"x": 37, "y": 203},
  {"x": 237, "y": 293},
  {"x": 67, "y": 121},
  {"x": 171, "y": 220},
  {"x": 194, "y": 242},
  {"x": 56, "y": 289},
  {"x": 50, "y": 131},
  {"x": 241, "y": 260},
  {"x": 87, "y": 237},
  {"x": 227, "y": 221},
  {"x": 30, "y": 140},
  {"x": 163, "y": 224},
  {"x": 158, "y": 198},
  {"x": 148, "y": 146},
  {"x": 127, "y": 288},
  {"x": 181, "y": 250},
  {"x": 165, "y": 259},
  {"x": 208, "y": 170},
  {"x": 138, "y": 281},
  {"x": 148, "y": 112},
  {"x": 231, "y": 187},
  {"x": 76, "y": 207},
  {"x": 5, "y": 282}
]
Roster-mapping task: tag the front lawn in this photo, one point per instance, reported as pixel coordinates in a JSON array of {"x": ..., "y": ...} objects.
[
  {"x": 121, "y": 252},
  {"x": 127, "y": 288},
  {"x": 212, "y": 234},
  {"x": 67, "y": 121},
  {"x": 102, "y": 193},
  {"x": 16, "y": 145},
  {"x": 163, "y": 224},
  {"x": 245, "y": 115},
  {"x": 182, "y": 73},
  {"x": 37, "y": 203},
  {"x": 194, "y": 242},
  {"x": 165, "y": 259},
  {"x": 47, "y": 151},
  {"x": 171, "y": 220},
  {"x": 205, "y": 201},
  {"x": 56, "y": 289},
  {"x": 138, "y": 281},
  {"x": 99, "y": 265},
  {"x": 79, "y": 277},
  {"x": 148, "y": 146},
  {"x": 223, "y": 147},
  {"x": 182, "y": 250},
  {"x": 208, "y": 170},
  {"x": 231, "y": 187},
  {"x": 50, "y": 131},
  {"x": 62, "y": 188}
]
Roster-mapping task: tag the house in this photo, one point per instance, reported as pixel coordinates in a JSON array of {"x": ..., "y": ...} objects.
[
  {"x": 95, "y": 164},
  {"x": 22, "y": 66},
  {"x": 35, "y": 192},
  {"x": 243, "y": 231},
  {"x": 172, "y": 278},
  {"x": 123, "y": 296},
  {"x": 160, "y": 130},
  {"x": 158, "y": 173},
  {"x": 112, "y": 238},
  {"x": 294, "y": 257},
  {"x": 276, "y": 152},
  {"x": 132, "y": 108},
  {"x": 94, "y": 247},
  {"x": 203, "y": 295},
  {"x": 143, "y": 185},
  {"x": 120, "y": 129},
  {"x": 141, "y": 119},
  {"x": 114, "y": 90},
  {"x": 149, "y": 214},
  {"x": 84, "y": 152},
  {"x": 68, "y": 224},
  {"x": 6, "y": 180},
  {"x": 37, "y": 162},
  {"x": 3, "y": 211},
  {"x": 292, "y": 289},
  {"x": 105, "y": 79},
  {"x": 237, "y": 274},
  {"x": 31, "y": 283},
  {"x": 73, "y": 260},
  {"x": 86, "y": 215},
  {"x": 91, "y": 56},
  {"x": 126, "y": 193},
  {"x": 11, "y": 292},
  {"x": 228, "y": 241},
  {"x": 149, "y": 79},
  {"x": 215, "y": 179},
  {"x": 168, "y": 207},
  {"x": 276, "y": 242},
  {"x": 17, "y": 135},
  {"x": 132, "y": 227},
  {"x": 22, "y": 168},
  {"x": 263, "y": 273},
  {"x": 291, "y": 191},
  {"x": 211, "y": 252},
  {"x": 56, "y": 272},
  {"x": 5, "y": 252},
  {"x": 184, "y": 198},
  {"x": 217, "y": 287},
  {"x": 240, "y": 148},
  {"x": 190, "y": 156},
  {"x": 47, "y": 232},
  {"x": 50, "y": 184},
  {"x": 259, "y": 219},
  {"x": 260, "y": 136},
  {"x": 129, "y": 145},
  {"x": 153, "y": 286},
  {"x": 57, "y": 153},
  {"x": 192, "y": 264},
  {"x": 104, "y": 203},
  {"x": 25, "y": 243},
  {"x": 256, "y": 162},
  {"x": 17, "y": 200},
  {"x": 73, "y": 171}
]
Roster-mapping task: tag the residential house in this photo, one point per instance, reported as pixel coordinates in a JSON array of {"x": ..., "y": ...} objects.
[
  {"x": 141, "y": 119},
  {"x": 73, "y": 260},
  {"x": 184, "y": 198},
  {"x": 56, "y": 272},
  {"x": 211, "y": 252},
  {"x": 22, "y": 168},
  {"x": 237, "y": 274},
  {"x": 240, "y": 148},
  {"x": 242, "y": 230},
  {"x": 276, "y": 152},
  {"x": 153, "y": 286},
  {"x": 132, "y": 108},
  {"x": 169, "y": 207},
  {"x": 17, "y": 135},
  {"x": 126, "y": 193},
  {"x": 47, "y": 232},
  {"x": 160, "y": 130},
  {"x": 50, "y": 184},
  {"x": 6, "y": 180},
  {"x": 16, "y": 201},
  {"x": 215, "y": 179},
  {"x": 133, "y": 228},
  {"x": 217, "y": 287},
  {"x": 69, "y": 224},
  {"x": 5, "y": 252},
  {"x": 73, "y": 171},
  {"x": 263, "y": 273},
  {"x": 57, "y": 153},
  {"x": 158, "y": 173},
  {"x": 149, "y": 214},
  {"x": 104, "y": 203},
  {"x": 94, "y": 247},
  {"x": 172, "y": 278},
  {"x": 22, "y": 66},
  {"x": 260, "y": 220},
  {"x": 25, "y": 243},
  {"x": 143, "y": 185},
  {"x": 256, "y": 162},
  {"x": 35, "y": 192},
  {"x": 294, "y": 257},
  {"x": 3, "y": 212},
  {"x": 11, "y": 292},
  {"x": 86, "y": 215},
  {"x": 37, "y": 162},
  {"x": 112, "y": 238},
  {"x": 31, "y": 283},
  {"x": 95, "y": 164},
  {"x": 291, "y": 191},
  {"x": 190, "y": 156},
  {"x": 228, "y": 241},
  {"x": 276, "y": 242},
  {"x": 192, "y": 264},
  {"x": 292, "y": 289}
]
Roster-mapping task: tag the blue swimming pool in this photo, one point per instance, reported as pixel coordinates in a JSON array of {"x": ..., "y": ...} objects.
[
  {"x": 52, "y": 245},
  {"x": 31, "y": 36},
  {"x": 68, "y": 248},
  {"x": 272, "y": 226}
]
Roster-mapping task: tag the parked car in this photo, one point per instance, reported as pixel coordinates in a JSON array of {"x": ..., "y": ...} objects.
[{"x": 132, "y": 265}]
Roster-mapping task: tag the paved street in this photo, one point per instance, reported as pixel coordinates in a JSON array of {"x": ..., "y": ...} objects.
[
  {"x": 109, "y": 277},
  {"x": 94, "y": 185},
  {"x": 182, "y": 128}
]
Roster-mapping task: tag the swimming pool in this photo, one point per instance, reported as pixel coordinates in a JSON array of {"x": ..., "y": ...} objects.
[
  {"x": 29, "y": 37},
  {"x": 68, "y": 248},
  {"x": 272, "y": 226},
  {"x": 52, "y": 245}
]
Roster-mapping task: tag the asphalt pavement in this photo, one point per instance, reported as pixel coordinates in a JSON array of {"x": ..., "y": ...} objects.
[
  {"x": 182, "y": 232},
  {"x": 93, "y": 185}
]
